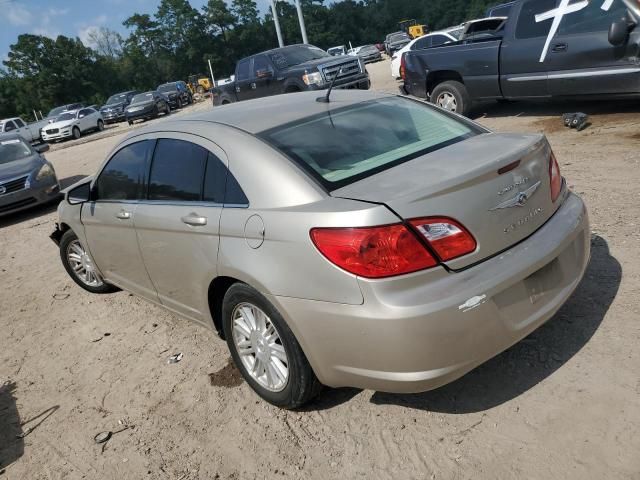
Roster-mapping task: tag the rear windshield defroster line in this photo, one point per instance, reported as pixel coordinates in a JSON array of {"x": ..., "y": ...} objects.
[{"x": 342, "y": 146}]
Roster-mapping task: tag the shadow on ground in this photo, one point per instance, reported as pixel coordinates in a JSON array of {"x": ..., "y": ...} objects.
[
  {"x": 553, "y": 108},
  {"x": 38, "y": 210},
  {"x": 11, "y": 441},
  {"x": 535, "y": 358}
]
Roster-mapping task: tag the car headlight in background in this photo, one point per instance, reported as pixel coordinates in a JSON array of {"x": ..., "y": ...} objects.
[
  {"x": 314, "y": 78},
  {"x": 44, "y": 172}
]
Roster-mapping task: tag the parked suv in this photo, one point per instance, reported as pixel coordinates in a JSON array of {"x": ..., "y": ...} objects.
[
  {"x": 177, "y": 92},
  {"x": 113, "y": 110},
  {"x": 294, "y": 68}
]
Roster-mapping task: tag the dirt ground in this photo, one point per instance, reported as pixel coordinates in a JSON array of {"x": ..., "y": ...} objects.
[{"x": 564, "y": 403}]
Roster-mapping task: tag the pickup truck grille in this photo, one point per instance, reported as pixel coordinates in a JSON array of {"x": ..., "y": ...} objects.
[
  {"x": 51, "y": 131},
  {"x": 349, "y": 68},
  {"x": 13, "y": 185}
]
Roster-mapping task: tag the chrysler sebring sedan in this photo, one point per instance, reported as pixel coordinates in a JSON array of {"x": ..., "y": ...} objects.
[{"x": 373, "y": 241}]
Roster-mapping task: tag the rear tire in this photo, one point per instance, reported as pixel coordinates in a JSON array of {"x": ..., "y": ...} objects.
[
  {"x": 77, "y": 266},
  {"x": 167, "y": 110},
  {"x": 300, "y": 384},
  {"x": 453, "y": 96},
  {"x": 179, "y": 103}
]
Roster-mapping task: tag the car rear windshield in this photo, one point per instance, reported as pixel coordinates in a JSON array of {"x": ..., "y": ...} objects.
[
  {"x": 142, "y": 97},
  {"x": 345, "y": 145},
  {"x": 295, "y": 55},
  {"x": 13, "y": 149},
  {"x": 398, "y": 37},
  {"x": 369, "y": 49}
]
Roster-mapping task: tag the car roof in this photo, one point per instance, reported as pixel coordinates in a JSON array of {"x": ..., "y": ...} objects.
[{"x": 255, "y": 116}]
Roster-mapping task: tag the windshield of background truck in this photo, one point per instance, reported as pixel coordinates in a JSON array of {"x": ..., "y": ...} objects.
[{"x": 290, "y": 56}]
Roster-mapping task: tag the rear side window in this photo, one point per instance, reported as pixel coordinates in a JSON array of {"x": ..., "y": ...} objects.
[
  {"x": 220, "y": 186},
  {"x": 344, "y": 145},
  {"x": 422, "y": 43},
  {"x": 527, "y": 27},
  {"x": 242, "y": 72},
  {"x": 9, "y": 126},
  {"x": 177, "y": 171},
  {"x": 123, "y": 177},
  {"x": 19, "y": 123},
  {"x": 439, "y": 40}
]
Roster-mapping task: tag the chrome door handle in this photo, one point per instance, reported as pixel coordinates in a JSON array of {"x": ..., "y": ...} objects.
[
  {"x": 194, "y": 220},
  {"x": 123, "y": 215}
]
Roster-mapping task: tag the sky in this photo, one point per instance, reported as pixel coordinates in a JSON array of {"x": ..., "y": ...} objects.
[{"x": 72, "y": 18}]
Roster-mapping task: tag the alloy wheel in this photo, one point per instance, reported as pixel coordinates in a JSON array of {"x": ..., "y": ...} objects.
[
  {"x": 259, "y": 347},
  {"x": 82, "y": 265}
]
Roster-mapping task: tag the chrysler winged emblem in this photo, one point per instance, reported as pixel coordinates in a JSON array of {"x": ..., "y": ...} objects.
[{"x": 520, "y": 199}]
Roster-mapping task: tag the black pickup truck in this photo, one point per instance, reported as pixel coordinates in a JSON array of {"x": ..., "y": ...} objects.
[
  {"x": 294, "y": 68},
  {"x": 593, "y": 52}
]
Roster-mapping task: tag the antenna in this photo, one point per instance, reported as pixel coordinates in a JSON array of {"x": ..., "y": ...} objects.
[{"x": 325, "y": 99}]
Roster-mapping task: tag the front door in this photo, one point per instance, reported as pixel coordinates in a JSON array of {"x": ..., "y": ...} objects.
[
  {"x": 523, "y": 71},
  {"x": 581, "y": 61},
  {"x": 178, "y": 223},
  {"x": 109, "y": 219},
  {"x": 262, "y": 77}
]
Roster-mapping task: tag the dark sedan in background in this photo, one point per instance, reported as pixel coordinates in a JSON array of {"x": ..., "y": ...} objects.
[
  {"x": 113, "y": 110},
  {"x": 368, "y": 53},
  {"x": 147, "y": 105},
  {"x": 26, "y": 177},
  {"x": 177, "y": 92}
]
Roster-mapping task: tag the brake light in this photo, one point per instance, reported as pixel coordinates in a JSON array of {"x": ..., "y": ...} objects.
[
  {"x": 447, "y": 237},
  {"x": 373, "y": 252},
  {"x": 554, "y": 177},
  {"x": 402, "y": 67}
]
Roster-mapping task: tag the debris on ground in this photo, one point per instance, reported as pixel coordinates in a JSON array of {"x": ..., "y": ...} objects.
[{"x": 175, "y": 358}]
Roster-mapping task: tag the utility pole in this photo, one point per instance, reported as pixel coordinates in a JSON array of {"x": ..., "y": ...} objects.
[
  {"x": 303, "y": 29},
  {"x": 277, "y": 22}
]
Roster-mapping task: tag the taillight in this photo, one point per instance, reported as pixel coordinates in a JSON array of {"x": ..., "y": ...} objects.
[
  {"x": 447, "y": 237},
  {"x": 554, "y": 177},
  {"x": 402, "y": 67},
  {"x": 373, "y": 252}
]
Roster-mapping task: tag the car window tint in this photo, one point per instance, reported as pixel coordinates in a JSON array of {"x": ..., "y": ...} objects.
[
  {"x": 527, "y": 27},
  {"x": 260, "y": 63},
  {"x": 438, "y": 40},
  {"x": 176, "y": 171},
  {"x": 19, "y": 123},
  {"x": 234, "y": 195},
  {"x": 423, "y": 43},
  {"x": 215, "y": 180},
  {"x": 592, "y": 18},
  {"x": 123, "y": 177},
  {"x": 9, "y": 126},
  {"x": 242, "y": 72}
]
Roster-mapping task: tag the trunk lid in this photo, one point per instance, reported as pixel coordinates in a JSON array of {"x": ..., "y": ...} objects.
[{"x": 463, "y": 182}]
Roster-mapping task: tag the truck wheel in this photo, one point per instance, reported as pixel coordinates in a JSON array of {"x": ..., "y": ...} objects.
[{"x": 452, "y": 96}]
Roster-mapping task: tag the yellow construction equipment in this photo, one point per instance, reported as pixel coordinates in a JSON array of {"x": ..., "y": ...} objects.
[
  {"x": 412, "y": 28},
  {"x": 199, "y": 84}
]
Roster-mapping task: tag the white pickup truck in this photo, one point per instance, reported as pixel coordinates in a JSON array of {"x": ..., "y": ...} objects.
[{"x": 30, "y": 132}]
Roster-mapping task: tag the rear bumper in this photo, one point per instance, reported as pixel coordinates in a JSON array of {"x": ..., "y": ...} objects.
[{"x": 433, "y": 327}]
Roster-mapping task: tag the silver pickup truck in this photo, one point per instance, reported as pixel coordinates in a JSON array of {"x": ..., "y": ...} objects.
[{"x": 30, "y": 132}]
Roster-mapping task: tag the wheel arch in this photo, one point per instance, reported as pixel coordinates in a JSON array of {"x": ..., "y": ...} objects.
[
  {"x": 215, "y": 295},
  {"x": 436, "y": 78}
]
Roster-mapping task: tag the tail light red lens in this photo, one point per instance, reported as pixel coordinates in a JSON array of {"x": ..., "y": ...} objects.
[
  {"x": 373, "y": 252},
  {"x": 402, "y": 67},
  {"x": 447, "y": 237},
  {"x": 555, "y": 177}
]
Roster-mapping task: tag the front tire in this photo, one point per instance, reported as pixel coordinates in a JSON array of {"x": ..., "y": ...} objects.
[
  {"x": 79, "y": 265},
  {"x": 76, "y": 133},
  {"x": 100, "y": 125},
  {"x": 453, "y": 96},
  {"x": 179, "y": 103},
  {"x": 265, "y": 350}
]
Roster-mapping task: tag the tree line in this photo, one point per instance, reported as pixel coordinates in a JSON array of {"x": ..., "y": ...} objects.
[{"x": 178, "y": 40}]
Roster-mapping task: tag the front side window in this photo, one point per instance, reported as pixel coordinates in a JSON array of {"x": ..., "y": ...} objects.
[
  {"x": 344, "y": 145},
  {"x": 177, "y": 171},
  {"x": 123, "y": 176},
  {"x": 19, "y": 123},
  {"x": 261, "y": 64}
]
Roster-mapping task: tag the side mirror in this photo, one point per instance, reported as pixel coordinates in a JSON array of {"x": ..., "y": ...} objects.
[
  {"x": 79, "y": 194},
  {"x": 264, "y": 74},
  {"x": 619, "y": 32},
  {"x": 80, "y": 116},
  {"x": 43, "y": 147}
]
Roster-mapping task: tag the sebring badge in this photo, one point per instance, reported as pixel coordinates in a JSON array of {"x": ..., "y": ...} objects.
[{"x": 520, "y": 199}]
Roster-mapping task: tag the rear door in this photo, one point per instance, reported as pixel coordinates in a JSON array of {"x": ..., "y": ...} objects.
[
  {"x": 581, "y": 61},
  {"x": 109, "y": 220},
  {"x": 178, "y": 223},
  {"x": 242, "y": 81},
  {"x": 522, "y": 74}
]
